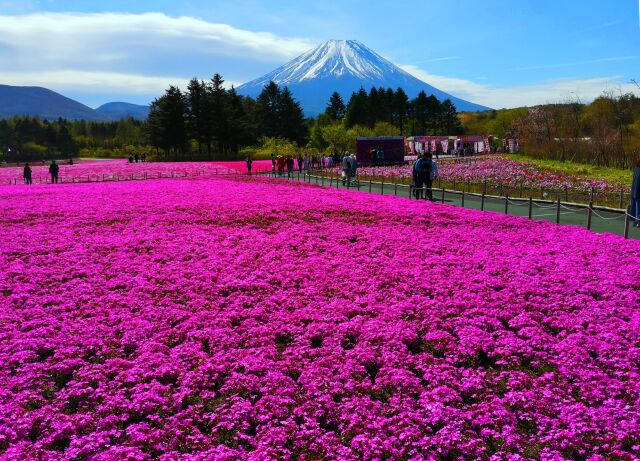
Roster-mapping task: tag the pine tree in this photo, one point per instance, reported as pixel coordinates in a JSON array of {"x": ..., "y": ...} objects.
[
  {"x": 400, "y": 109},
  {"x": 218, "y": 111},
  {"x": 450, "y": 121},
  {"x": 356, "y": 113},
  {"x": 198, "y": 118},
  {"x": 434, "y": 115},
  {"x": 167, "y": 122},
  {"x": 419, "y": 112},
  {"x": 336, "y": 108},
  {"x": 237, "y": 132},
  {"x": 291, "y": 118},
  {"x": 266, "y": 111}
]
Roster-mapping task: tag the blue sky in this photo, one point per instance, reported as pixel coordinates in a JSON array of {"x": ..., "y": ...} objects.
[{"x": 495, "y": 52}]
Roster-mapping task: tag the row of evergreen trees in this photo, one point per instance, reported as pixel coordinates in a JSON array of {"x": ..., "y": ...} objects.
[
  {"x": 219, "y": 121},
  {"x": 29, "y": 138},
  {"x": 423, "y": 115},
  {"x": 25, "y": 138}
]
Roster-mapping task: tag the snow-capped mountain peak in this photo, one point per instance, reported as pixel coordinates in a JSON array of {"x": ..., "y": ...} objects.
[
  {"x": 343, "y": 66},
  {"x": 333, "y": 58}
]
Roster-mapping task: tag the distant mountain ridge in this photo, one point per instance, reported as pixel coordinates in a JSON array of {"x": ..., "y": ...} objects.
[
  {"x": 120, "y": 110},
  {"x": 47, "y": 104},
  {"x": 42, "y": 102},
  {"x": 344, "y": 66}
]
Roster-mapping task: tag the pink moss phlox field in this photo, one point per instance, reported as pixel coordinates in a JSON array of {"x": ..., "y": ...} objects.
[
  {"x": 230, "y": 319},
  {"x": 107, "y": 168},
  {"x": 499, "y": 170}
]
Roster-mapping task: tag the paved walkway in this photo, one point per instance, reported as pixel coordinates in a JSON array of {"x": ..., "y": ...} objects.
[{"x": 602, "y": 220}]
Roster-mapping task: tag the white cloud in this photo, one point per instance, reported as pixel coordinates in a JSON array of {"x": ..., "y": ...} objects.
[
  {"x": 523, "y": 95},
  {"x": 94, "y": 82},
  {"x": 122, "y": 53},
  {"x": 103, "y": 36}
]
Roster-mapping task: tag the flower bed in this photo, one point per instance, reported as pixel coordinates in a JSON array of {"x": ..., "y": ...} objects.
[
  {"x": 232, "y": 319},
  {"x": 97, "y": 170},
  {"x": 498, "y": 170}
]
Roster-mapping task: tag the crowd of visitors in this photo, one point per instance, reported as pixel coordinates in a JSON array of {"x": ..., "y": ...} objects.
[{"x": 135, "y": 158}]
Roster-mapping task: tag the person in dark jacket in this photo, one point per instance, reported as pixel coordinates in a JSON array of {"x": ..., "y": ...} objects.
[
  {"x": 300, "y": 162},
  {"x": 249, "y": 164},
  {"x": 54, "y": 169},
  {"x": 416, "y": 173},
  {"x": 290, "y": 164},
  {"x": 635, "y": 194},
  {"x": 27, "y": 174},
  {"x": 427, "y": 175}
]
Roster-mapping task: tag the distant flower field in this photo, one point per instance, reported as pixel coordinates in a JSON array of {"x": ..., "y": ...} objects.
[
  {"x": 236, "y": 319},
  {"x": 500, "y": 171},
  {"x": 106, "y": 169}
]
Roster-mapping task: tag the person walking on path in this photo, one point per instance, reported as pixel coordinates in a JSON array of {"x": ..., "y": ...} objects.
[
  {"x": 300, "y": 162},
  {"x": 289, "y": 162},
  {"x": 354, "y": 168},
  {"x": 273, "y": 163},
  {"x": 27, "y": 174},
  {"x": 346, "y": 170},
  {"x": 416, "y": 173},
  {"x": 54, "y": 169},
  {"x": 635, "y": 194},
  {"x": 249, "y": 163},
  {"x": 426, "y": 169}
]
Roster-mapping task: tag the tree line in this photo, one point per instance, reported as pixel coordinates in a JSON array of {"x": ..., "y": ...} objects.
[
  {"x": 31, "y": 139},
  {"x": 208, "y": 121},
  {"x": 605, "y": 132},
  {"x": 381, "y": 112}
]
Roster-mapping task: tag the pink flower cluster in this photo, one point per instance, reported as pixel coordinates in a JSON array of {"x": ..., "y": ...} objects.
[
  {"x": 496, "y": 171},
  {"x": 499, "y": 170},
  {"x": 106, "y": 169},
  {"x": 256, "y": 319}
]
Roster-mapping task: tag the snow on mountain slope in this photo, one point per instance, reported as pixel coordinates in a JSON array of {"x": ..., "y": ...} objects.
[{"x": 343, "y": 66}]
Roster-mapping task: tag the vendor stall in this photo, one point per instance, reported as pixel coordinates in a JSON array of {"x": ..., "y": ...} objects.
[{"x": 380, "y": 150}]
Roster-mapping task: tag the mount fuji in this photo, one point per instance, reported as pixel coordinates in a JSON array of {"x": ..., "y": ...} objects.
[{"x": 344, "y": 66}]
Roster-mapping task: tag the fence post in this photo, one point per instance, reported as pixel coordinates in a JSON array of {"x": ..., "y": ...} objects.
[
  {"x": 482, "y": 200},
  {"x": 626, "y": 224},
  {"x": 506, "y": 204},
  {"x": 462, "y": 205},
  {"x": 382, "y": 188},
  {"x": 621, "y": 198},
  {"x": 530, "y": 207},
  {"x": 558, "y": 211},
  {"x": 395, "y": 189},
  {"x": 410, "y": 190},
  {"x": 369, "y": 185},
  {"x": 589, "y": 215},
  {"x": 443, "y": 191}
]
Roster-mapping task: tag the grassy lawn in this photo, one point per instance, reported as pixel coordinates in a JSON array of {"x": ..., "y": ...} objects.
[{"x": 611, "y": 175}]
